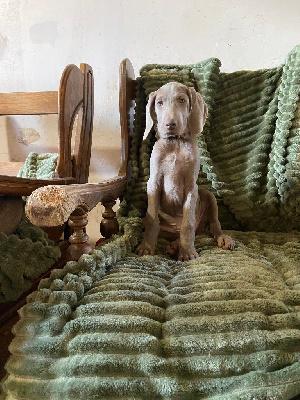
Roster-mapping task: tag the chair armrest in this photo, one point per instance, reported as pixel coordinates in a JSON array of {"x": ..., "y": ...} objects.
[
  {"x": 15, "y": 186},
  {"x": 52, "y": 205}
]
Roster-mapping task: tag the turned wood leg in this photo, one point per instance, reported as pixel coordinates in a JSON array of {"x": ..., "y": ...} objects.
[
  {"x": 79, "y": 239},
  {"x": 109, "y": 224}
]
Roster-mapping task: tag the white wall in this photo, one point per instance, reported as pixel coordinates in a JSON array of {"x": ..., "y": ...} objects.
[{"x": 38, "y": 38}]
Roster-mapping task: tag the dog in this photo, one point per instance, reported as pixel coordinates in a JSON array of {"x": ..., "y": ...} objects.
[{"x": 177, "y": 208}]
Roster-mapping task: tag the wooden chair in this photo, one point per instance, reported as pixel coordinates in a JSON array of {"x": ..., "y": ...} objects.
[
  {"x": 53, "y": 205},
  {"x": 74, "y": 97}
]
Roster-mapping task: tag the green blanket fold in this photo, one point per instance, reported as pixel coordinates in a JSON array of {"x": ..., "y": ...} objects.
[
  {"x": 223, "y": 326},
  {"x": 25, "y": 255}
]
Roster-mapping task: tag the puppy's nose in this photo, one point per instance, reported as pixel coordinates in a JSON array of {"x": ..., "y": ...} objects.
[{"x": 171, "y": 125}]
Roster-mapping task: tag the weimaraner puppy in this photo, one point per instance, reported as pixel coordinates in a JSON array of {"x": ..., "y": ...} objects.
[{"x": 177, "y": 208}]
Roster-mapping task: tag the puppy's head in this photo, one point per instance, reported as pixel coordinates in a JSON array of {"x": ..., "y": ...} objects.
[{"x": 177, "y": 110}]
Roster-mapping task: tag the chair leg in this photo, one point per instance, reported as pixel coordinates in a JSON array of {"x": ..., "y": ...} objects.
[
  {"x": 79, "y": 239},
  {"x": 109, "y": 224}
]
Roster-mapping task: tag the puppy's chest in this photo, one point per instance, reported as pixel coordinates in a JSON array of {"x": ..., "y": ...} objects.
[
  {"x": 179, "y": 162},
  {"x": 178, "y": 176}
]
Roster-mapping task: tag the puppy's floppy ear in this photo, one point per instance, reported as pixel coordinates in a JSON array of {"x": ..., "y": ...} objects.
[
  {"x": 149, "y": 114},
  {"x": 198, "y": 111}
]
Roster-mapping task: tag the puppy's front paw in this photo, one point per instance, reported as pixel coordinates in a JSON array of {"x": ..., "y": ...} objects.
[
  {"x": 226, "y": 242},
  {"x": 187, "y": 254},
  {"x": 145, "y": 249}
]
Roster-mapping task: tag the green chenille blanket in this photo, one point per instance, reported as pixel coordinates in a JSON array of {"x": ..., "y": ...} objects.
[
  {"x": 224, "y": 326},
  {"x": 25, "y": 255}
]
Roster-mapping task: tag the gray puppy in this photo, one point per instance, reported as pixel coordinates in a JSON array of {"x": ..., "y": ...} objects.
[{"x": 177, "y": 208}]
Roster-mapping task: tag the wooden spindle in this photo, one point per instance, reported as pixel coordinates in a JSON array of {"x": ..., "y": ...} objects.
[
  {"x": 79, "y": 239},
  {"x": 109, "y": 224}
]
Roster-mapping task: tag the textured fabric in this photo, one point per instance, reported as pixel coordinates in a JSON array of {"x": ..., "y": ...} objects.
[
  {"x": 28, "y": 253},
  {"x": 224, "y": 326},
  {"x": 24, "y": 256},
  {"x": 39, "y": 166}
]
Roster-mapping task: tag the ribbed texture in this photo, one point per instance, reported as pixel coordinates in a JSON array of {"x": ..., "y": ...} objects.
[{"x": 157, "y": 328}]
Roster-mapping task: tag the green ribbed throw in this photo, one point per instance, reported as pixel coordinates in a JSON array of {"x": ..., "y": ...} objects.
[
  {"x": 24, "y": 256},
  {"x": 224, "y": 326},
  {"x": 250, "y": 145}
]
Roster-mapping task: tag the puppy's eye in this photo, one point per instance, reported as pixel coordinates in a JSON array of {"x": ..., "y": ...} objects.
[
  {"x": 181, "y": 100},
  {"x": 160, "y": 103}
]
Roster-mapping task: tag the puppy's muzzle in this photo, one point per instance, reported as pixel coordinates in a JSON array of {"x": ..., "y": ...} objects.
[{"x": 171, "y": 125}]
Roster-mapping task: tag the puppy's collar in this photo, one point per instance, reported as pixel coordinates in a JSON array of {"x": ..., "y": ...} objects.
[{"x": 176, "y": 137}]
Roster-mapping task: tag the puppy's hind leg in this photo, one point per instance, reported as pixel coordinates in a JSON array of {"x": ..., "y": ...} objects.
[{"x": 224, "y": 241}]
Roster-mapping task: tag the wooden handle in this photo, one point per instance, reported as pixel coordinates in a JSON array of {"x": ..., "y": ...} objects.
[{"x": 52, "y": 205}]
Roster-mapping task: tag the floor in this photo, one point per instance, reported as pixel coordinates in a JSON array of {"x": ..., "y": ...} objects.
[{"x": 6, "y": 337}]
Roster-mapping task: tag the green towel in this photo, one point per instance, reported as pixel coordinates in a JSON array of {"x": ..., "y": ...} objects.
[{"x": 39, "y": 166}]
